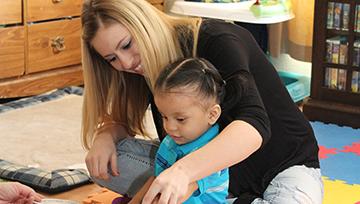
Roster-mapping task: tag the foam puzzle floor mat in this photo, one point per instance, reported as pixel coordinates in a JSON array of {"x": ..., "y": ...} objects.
[{"x": 340, "y": 162}]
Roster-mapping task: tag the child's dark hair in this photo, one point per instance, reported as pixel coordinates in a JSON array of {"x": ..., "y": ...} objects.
[{"x": 201, "y": 74}]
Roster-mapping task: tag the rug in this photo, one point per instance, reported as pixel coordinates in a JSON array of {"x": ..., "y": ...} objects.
[
  {"x": 44, "y": 131},
  {"x": 340, "y": 162}
]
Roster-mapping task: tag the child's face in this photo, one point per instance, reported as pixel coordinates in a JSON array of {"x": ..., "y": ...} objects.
[
  {"x": 185, "y": 116},
  {"x": 117, "y": 46}
]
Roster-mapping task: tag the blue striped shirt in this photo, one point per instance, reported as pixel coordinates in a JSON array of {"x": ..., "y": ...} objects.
[{"x": 212, "y": 189}]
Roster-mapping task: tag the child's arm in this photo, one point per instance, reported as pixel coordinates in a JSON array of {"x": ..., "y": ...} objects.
[{"x": 140, "y": 194}]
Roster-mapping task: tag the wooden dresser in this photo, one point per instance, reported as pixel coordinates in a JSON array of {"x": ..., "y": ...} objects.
[{"x": 40, "y": 45}]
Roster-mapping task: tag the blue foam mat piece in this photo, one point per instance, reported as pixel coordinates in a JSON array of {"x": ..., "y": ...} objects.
[
  {"x": 334, "y": 136},
  {"x": 342, "y": 166}
]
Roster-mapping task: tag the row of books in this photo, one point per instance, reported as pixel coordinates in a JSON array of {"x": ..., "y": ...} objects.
[
  {"x": 338, "y": 16},
  {"x": 337, "y": 50},
  {"x": 336, "y": 79}
]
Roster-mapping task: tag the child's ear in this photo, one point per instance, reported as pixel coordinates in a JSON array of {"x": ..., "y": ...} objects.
[{"x": 214, "y": 113}]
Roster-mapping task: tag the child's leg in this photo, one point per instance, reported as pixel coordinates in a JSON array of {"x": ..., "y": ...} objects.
[
  {"x": 135, "y": 163},
  {"x": 297, "y": 184}
]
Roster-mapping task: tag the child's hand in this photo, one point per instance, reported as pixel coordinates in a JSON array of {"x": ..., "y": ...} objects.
[{"x": 171, "y": 186}]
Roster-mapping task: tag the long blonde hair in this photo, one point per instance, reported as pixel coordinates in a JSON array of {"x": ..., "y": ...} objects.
[{"x": 121, "y": 96}]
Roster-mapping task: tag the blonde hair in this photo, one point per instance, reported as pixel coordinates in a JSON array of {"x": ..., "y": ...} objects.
[{"x": 120, "y": 96}]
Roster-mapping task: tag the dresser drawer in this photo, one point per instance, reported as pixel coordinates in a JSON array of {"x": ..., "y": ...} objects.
[
  {"x": 158, "y": 4},
  {"x": 155, "y": 1},
  {"x": 49, "y": 9},
  {"x": 53, "y": 44},
  {"x": 11, "y": 51},
  {"x": 10, "y": 11}
]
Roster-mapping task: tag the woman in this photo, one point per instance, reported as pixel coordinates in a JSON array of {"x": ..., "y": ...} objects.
[{"x": 265, "y": 140}]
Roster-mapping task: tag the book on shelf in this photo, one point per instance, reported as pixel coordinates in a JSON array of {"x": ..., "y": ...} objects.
[
  {"x": 357, "y": 19},
  {"x": 343, "y": 53},
  {"x": 354, "y": 81},
  {"x": 345, "y": 17},
  {"x": 337, "y": 50},
  {"x": 338, "y": 16},
  {"x": 330, "y": 15},
  {"x": 341, "y": 80},
  {"x": 329, "y": 51},
  {"x": 327, "y": 77},
  {"x": 356, "y": 53},
  {"x": 335, "y": 78}
]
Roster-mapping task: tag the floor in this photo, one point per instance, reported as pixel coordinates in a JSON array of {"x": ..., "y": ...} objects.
[{"x": 77, "y": 194}]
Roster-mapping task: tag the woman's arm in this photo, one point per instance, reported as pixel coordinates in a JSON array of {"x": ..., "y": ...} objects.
[
  {"x": 234, "y": 144},
  {"x": 192, "y": 188},
  {"x": 103, "y": 151}
]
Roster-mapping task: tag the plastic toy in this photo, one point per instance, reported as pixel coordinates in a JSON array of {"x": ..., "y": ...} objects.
[
  {"x": 106, "y": 196},
  {"x": 270, "y": 8}
]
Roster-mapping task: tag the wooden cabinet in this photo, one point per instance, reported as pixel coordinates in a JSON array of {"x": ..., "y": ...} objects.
[
  {"x": 38, "y": 10},
  {"x": 11, "y": 12},
  {"x": 335, "y": 81},
  {"x": 11, "y": 51}
]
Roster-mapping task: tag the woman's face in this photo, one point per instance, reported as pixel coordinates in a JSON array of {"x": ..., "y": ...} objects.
[{"x": 117, "y": 46}]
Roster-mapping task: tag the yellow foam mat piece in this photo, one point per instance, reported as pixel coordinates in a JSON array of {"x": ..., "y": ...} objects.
[{"x": 339, "y": 192}]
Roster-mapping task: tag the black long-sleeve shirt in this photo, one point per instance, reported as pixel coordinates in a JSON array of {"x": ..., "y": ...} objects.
[{"x": 288, "y": 138}]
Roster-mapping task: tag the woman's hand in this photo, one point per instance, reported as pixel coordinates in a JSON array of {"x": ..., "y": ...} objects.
[
  {"x": 170, "y": 187},
  {"x": 101, "y": 155},
  {"x": 14, "y": 192}
]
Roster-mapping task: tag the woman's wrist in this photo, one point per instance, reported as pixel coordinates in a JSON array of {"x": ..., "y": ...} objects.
[{"x": 181, "y": 169}]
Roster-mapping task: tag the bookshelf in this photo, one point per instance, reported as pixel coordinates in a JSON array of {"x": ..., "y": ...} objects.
[{"x": 335, "y": 81}]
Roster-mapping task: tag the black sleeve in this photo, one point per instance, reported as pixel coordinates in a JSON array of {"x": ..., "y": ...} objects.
[{"x": 230, "y": 54}]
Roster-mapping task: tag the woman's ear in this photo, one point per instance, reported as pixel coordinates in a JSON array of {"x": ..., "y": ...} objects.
[{"x": 214, "y": 114}]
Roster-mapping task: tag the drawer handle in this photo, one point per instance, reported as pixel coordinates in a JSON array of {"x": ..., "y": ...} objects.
[
  {"x": 56, "y": 1},
  {"x": 58, "y": 44}
]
